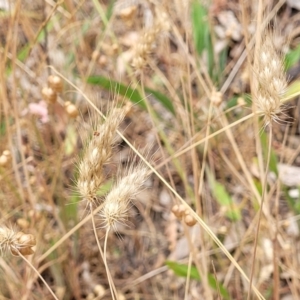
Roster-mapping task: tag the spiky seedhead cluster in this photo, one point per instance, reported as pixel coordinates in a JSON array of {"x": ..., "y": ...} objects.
[
  {"x": 97, "y": 153},
  {"x": 144, "y": 47},
  {"x": 16, "y": 243},
  {"x": 117, "y": 201},
  {"x": 271, "y": 79}
]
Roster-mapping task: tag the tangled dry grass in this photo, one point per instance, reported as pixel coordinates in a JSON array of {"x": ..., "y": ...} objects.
[{"x": 208, "y": 91}]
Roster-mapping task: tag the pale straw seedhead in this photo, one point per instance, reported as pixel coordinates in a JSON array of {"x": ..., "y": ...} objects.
[
  {"x": 271, "y": 79},
  {"x": 118, "y": 200},
  {"x": 146, "y": 42},
  {"x": 97, "y": 153},
  {"x": 16, "y": 243}
]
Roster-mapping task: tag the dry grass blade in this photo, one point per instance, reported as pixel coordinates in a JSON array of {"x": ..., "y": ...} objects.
[{"x": 138, "y": 136}]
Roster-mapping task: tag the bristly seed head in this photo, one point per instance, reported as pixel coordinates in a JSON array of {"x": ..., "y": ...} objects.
[
  {"x": 271, "y": 78},
  {"x": 16, "y": 243},
  {"x": 97, "y": 153},
  {"x": 118, "y": 200}
]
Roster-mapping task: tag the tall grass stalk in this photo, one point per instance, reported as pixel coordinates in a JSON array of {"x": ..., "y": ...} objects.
[
  {"x": 38, "y": 274},
  {"x": 264, "y": 193}
]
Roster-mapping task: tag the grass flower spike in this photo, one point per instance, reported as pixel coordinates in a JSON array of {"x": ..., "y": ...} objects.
[
  {"x": 16, "y": 243},
  {"x": 146, "y": 43},
  {"x": 117, "y": 202},
  {"x": 135, "y": 132},
  {"x": 97, "y": 154},
  {"x": 272, "y": 79}
]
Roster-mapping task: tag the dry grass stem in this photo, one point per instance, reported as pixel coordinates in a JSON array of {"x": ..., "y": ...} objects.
[{"x": 206, "y": 85}]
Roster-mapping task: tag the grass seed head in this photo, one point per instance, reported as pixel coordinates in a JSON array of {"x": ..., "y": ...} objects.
[
  {"x": 117, "y": 202},
  {"x": 144, "y": 47},
  {"x": 96, "y": 154},
  {"x": 271, "y": 79},
  {"x": 16, "y": 243}
]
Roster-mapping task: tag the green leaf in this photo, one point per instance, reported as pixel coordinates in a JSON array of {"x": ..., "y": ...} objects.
[
  {"x": 23, "y": 53},
  {"x": 222, "y": 60},
  {"x": 200, "y": 26},
  {"x": 105, "y": 188},
  {"x": 72, "y": 208},
  {"x": 214, "y": 284},
  {"x": 132, "y": 94},
  {"x": 164, "y": 100},
  {"x": 182, "y": 271},
  {"x": 273, "y": 157},
  {"x": 292, "y": 57},
  {"x": 234, "y": 101},
  {"x": 293, "y": 89},
  {"x": 201, "y": 32},
  {"x": 110, "y": 9},
  {"x": 2, "y": 128},
  {"x": 224, "y": 199},
  {"x": 293, "y": 203}
]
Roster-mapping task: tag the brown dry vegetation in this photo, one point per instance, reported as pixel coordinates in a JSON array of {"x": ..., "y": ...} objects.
[{"x": 219, "y": 138}]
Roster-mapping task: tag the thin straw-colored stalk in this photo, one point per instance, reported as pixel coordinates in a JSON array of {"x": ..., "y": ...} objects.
[
  {"x": 265, "y": 184},
  {"x": 276, "y": 279},
  {"x": 103, "y": 256},
  {"x": 69, "y": 233},
  {"x": 38, "y": 274},
  {"x": 105, "y": 252}
]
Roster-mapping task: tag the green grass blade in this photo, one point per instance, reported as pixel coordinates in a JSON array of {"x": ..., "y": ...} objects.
[
  {"x": 182, "y": 270},
  {"x": 273, "y": 157},
  {"x": 200, "y": 26},
  {"x": 223, "y": 198},
  {"x": 291, "y": 58},
  {"x": 164, "y": 100},
  {"x": 132, "y": 94},
  {"x": 114, "y": 86},
  {"x": 201, "y": 33}
]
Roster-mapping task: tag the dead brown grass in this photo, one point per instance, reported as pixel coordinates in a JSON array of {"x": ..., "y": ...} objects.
[{"x": 207, "y": 150}]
